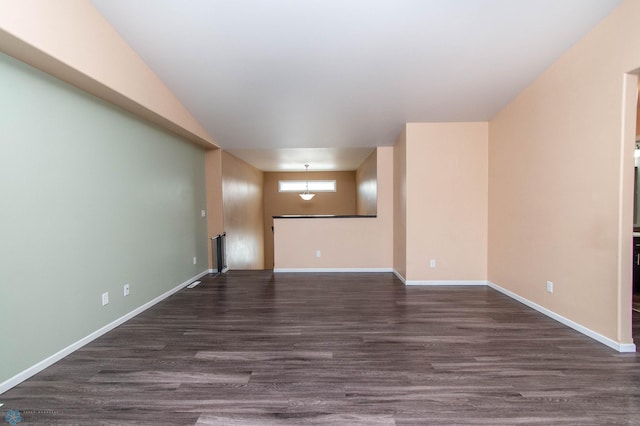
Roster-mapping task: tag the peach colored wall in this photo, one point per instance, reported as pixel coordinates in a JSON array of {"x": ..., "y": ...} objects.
[
  {"x": 215, "y": 212},
  {"x": 561, "y": 182},
  {"x": 366, "y": 186},
  {"x": 344, "y": 243},
  {"x": 73, "y": 42},
  {"x": 242, "y": 196},
  {"x": 400, "y": 204},
  {"x": 341, "y": 202},
  {"x": 446, "y": 207}
]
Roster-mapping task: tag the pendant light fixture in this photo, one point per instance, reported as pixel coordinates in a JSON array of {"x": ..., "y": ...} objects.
[{"x": 306, "y": 195}]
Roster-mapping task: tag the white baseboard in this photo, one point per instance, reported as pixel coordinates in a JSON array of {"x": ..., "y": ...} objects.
[
  {"x": 35, "y": 369},
  {"x": 332, "y": 270},
  {"x": 620, "y": 347},
  {"x": 445, "y": 282},
  {"x": 437, "y": 282}
]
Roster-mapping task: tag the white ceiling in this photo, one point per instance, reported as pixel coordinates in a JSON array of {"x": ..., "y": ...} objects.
[{"x": 266, "y": 75}]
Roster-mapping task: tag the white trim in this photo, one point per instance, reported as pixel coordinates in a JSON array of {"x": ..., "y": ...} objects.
[
  {"x": 445, "y": 282},
  {"x": 277, "y": 270},
  {"x": 38, "y": 367},
  {"x": 399, "y": 276},
  {"x": 437, "y": 282},
  {"x": 620, "y": 347}
]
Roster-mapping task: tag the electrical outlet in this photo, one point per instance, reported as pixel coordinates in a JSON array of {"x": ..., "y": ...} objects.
[
  {"x": 203, "y": 213},
  {"x": 105, "y": 298},
  {"x": 549, "y": 287},
  {"x": 126, "y": 289},
  {"x": 318, "y": 253},
  {"x": 195, "y": 260},
  {"x": 432, "y": 263}
]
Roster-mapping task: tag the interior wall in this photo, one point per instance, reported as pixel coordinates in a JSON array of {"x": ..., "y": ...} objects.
[
  {"x": 72, "y": 41},
  {"x": 343, "y": 242},
  {"x": 446, "y": 216},
  {"x": 559, "y": 163},
  {"x": 400, "y": 204},
  {"x": 242, "y": 194},
  {"x": 341, "y": 202},
  {"x": 366, "y": 186},
  {"x": 92, "y": 198}
]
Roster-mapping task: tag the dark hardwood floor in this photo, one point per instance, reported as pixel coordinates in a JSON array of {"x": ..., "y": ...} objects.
[{"x": 253, "y": 348}]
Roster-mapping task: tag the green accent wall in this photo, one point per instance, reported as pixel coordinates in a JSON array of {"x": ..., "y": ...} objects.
[{"x": 91, "y": 198}]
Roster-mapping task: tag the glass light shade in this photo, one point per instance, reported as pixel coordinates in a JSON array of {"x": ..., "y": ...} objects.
[{"x": 306, "y": 196}]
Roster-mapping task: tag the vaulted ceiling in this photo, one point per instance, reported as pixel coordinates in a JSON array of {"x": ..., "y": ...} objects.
[{"x": 269, "y": 79}]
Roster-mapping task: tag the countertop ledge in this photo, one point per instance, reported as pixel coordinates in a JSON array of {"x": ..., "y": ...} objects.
[{"x": 322, "y": 216}]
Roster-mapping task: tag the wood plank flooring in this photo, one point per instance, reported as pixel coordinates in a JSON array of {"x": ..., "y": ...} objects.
[{"x": 254, "y": 348}]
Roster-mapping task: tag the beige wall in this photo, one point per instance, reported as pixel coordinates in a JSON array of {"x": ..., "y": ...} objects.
[
  {"x": 73, "y": 42},
  {"x": 366, "y": 186},
  {"x": 400, "y": 204},
  {"x": 561, "y": 181},
  {"x": 344, "y": 243},
  {"x": 341, "y": 202},
  {"x": 243, "y": 201},
  {"x": 446, "y": 207}
]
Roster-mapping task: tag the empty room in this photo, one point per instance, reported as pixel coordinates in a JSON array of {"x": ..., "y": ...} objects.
[{"x": 319, "y": 212}]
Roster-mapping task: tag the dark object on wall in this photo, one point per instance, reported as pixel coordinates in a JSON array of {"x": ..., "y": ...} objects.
[{"x": 219, "y": 253}]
